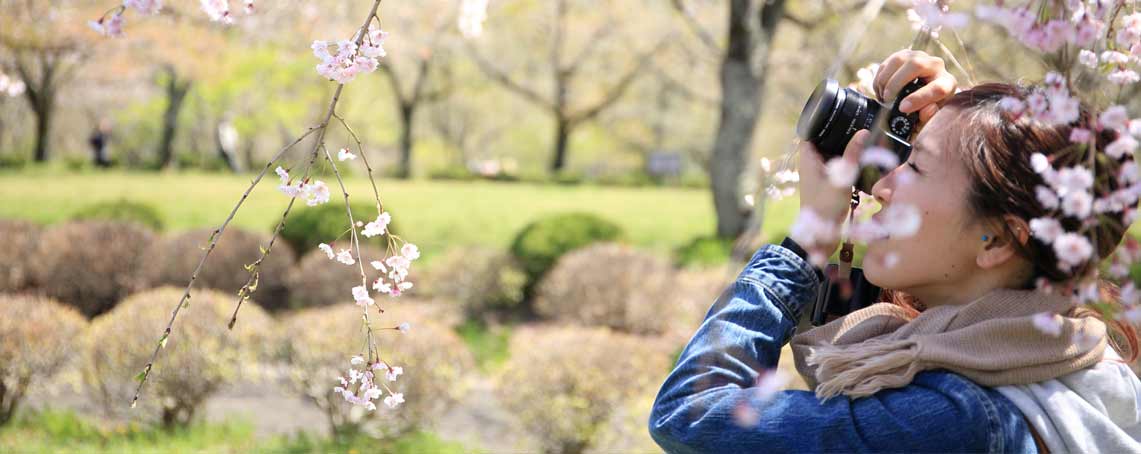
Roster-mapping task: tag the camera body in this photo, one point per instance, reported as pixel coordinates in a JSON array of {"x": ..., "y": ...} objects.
[
  {"x": 833, "y": 114},
  {"x": 829, "y": 119}
]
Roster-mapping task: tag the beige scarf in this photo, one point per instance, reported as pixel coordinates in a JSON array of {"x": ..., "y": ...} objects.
[{"x": 992, "y": 341}]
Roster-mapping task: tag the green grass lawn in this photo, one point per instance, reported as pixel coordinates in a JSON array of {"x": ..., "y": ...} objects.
[
  {"x": 64, "y": 431},
  {"x": 433, "y": 214}
]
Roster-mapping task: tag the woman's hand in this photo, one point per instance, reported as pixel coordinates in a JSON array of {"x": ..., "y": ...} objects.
[
  {"x": 907, "y": 65},
  {"x": 819, "y": 195}
]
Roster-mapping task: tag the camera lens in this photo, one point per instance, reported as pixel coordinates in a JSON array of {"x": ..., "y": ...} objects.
[{"x": 832, "y": 116}]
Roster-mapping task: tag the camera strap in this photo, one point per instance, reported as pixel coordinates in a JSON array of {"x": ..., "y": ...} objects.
[{"x": 846, "y": 251}]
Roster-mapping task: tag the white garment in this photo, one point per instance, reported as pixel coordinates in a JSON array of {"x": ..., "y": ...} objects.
[{"x": 1093, "y": 410}]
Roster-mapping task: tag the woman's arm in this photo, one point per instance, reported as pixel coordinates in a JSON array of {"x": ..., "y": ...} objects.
[{"x": 742, "y": 335}]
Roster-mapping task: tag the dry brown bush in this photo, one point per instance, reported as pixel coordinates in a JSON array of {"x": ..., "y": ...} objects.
[
  {"x": 178, "y": 255},
  {"x": 18, "y": 243},
  {"x": 92, "y": 264},
  {"x": 610, "y": 285},
  {"x": 320, "y": 281},
  {"x": 37, "y": 337},
  {"x": 487, "y": 283},
  {"x": 564, "y": 382},
  {"x": 201, "y": 355},
  {"x": 317, "y": 345}
]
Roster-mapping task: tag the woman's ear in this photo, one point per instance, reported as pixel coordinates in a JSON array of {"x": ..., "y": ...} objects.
[{"x": 1000, "y": 246}]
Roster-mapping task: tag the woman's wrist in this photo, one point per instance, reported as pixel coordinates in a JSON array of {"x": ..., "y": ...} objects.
[{"x": 791, "y": 245}]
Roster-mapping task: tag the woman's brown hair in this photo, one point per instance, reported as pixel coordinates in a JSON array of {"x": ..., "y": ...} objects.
[{"x": 996, "y": 147}]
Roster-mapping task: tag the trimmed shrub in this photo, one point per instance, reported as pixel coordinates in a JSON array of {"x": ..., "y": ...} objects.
[
  {"x": 306, "y": 227},
  {"x": 320, "y": 281},
  {"x": 201, "y": 355},
  {"x": 610, "y": 285},
  {"x": 564, "y": 383},
  {"x": 177, "y": 255},
  {"x": 122, "y": 210},
  {"x": 317, "y": 345},
  {"x": 92, "y": 264},
  {"x": 36, "y": 339},
  {"x": 18, "y": 243},
  {"x": 487, "y": 283},
  {"x": 538, "y": 245},
  {"x": 705, "y": 250}
]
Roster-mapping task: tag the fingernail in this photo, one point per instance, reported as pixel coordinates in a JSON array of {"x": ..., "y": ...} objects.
[{"x": 905, "y": 105}]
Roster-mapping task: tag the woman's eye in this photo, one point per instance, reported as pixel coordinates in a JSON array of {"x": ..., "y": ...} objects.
[{"x": 913, "y": 167}]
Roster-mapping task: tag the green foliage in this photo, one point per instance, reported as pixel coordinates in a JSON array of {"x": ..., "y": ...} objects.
[
  {"x": 456, "y": 173},
  {"x": 486, "y": 282},
  {"x": 121, "y": 210},
  {"x": 704, "y": 250},
  {"x": 307, "y": 226},
  {"x": 489, "y": 344},
  {"x": 538, "y": 245}
]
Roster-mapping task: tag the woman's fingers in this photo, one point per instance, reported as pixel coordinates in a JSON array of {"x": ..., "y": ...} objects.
[
  {"x": 931, "y": 94},
  {"x": 887, "y": 69}
]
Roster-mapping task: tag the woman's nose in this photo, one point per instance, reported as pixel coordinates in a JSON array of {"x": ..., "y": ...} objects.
[{"x": 882, "y": 189}]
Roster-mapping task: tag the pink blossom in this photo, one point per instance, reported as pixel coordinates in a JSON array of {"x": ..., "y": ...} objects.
[
  {"x": 394, "y": 399},
  {"x": 393, "y": 372},
  {"x": 900, "y": 220},
  {"x": 1087, "y": 58},
  {"x": 841, "y": 172},
  {"x": 1048, "y": 323},
  {"x": 381, "y": 286},
  {"x": 360, "y": 295},
  {"x": 1074, "y": 179},
  {"x": 1080, "y": 135},
  {"x": 1114, "y": 117},
  {"x": 410, "y": 251},
  {"x": 346, "y": 257},
  {"x": 810, "y": 229},
  {"x": 1037, "y": 103},
  {"x": 1011, "y": 104},
  {"x": 344, "y": 154},
  {"x": 316, "y": 193},
  {"x": 218, "y": 10},
  {"x": 1123, "y": 76},
  {"x": 403, "y": 327},
  {"x": 144, "y": 6},
  {"x": 1072, "y": 249},
  {"x": 880, "y": 157},
  {"x": 109, "y": 26},
  {"x": 1125, "y": 144},
  {"x": 249, "y": 9},
  {"x": 1077, "y": 204},
  {"x": 377, "y": 227},
  {"x": 1046, "y": 229},
  {"x": 1046, "y": 197},
  {"x": 1114, "y": 57}
]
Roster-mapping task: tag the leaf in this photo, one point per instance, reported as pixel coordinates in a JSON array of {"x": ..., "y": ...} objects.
[
  {"x": 254, "y": 285},
  {"x": 162, "y": 342},
  {"x": 263, "y": 250}
]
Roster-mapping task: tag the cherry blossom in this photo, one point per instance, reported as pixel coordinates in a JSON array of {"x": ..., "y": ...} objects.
[
  {"x": 344, "y": 154},
  {"x": 144, "y": 6},
  {"x": 1114, "y": 117},
  {"x": 218, "y": 10},
  {"x": 1087, "y": 58},
  {"x": 933, "y": 16},
  {"x": 346, "y": 257},
  {"x": 1046, "y": 197},
  {"x": 360, "y": 295},
  {"x": 471, "y": 17},
  {"x": 11, "y": 86},
  {"x": 328, "y": 250},
  {"x": 810, "y": 229},
  {"x": 1048, "y": 323},
  {"x": 841, "y": 172},
  {"x": 880, "y": 157},
  {"x": 1125, "y": 144},
  {"x": 1046, "y": 229},
  {"x": 1073, "y": 179},
  {"x": 109, "y": 25},
  {"x": 377, "y": 227},
  {"x": 403, "y": 327},
  {"x": 316, "y": 193},
  {"x": 1077, "y": 204},
  {"x": 394, "y": 399},
  {"x": 350, "y": 58},
  {"x": 900, "y": 220},
  {"x": 1072, "y": 249}
]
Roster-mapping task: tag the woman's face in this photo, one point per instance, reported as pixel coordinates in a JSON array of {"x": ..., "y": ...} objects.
[{"x": 942, "y": 253}]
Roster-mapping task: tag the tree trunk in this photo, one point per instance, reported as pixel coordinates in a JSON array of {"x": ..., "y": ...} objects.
[
  {"x": 563, "y": 130},
  {"x": 407, "y": 115},
  {"x": 742, "y": 82},
  {"x": 175, "y": 93},
  {"x": 43, "y": 113}
]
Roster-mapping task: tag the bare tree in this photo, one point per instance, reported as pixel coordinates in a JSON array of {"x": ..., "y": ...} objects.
[{"x": 564, "y": 71}]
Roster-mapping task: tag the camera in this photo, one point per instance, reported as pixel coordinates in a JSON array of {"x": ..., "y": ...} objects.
[
  {"x": 829, "y": 119},
  {"x": 833, "y": 114}
]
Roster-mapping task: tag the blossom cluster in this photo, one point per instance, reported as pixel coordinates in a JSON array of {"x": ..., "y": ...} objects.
[
  {"x": 111, "y": 23},
  {"x": 350, "y": 59},
  {"x": 11, "y": 86},
  {"x": 314, "y": 193},
  {"x": 367, "y": 388}
]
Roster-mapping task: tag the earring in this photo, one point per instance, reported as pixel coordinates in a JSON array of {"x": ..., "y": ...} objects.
[{"x": 985, "y": 237}]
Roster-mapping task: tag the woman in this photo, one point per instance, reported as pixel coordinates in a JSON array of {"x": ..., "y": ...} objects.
[{"x": 965, "y": 367}]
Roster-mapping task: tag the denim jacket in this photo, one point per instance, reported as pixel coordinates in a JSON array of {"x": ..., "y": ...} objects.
[{"x": 743, "y": 333}]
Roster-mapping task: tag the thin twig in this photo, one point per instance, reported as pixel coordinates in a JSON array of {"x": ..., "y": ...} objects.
[{"x": 323, "y": 127}]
